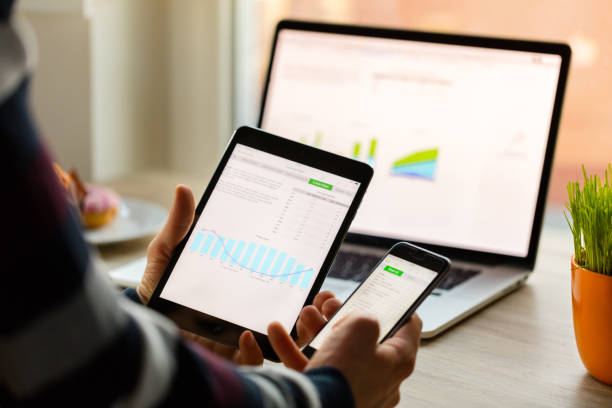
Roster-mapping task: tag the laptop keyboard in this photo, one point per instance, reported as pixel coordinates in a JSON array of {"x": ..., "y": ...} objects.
[
  {"x": 352, "y": 265},
  {"x": 356, "y": 266},
  {"x": 457, "y": 276}
]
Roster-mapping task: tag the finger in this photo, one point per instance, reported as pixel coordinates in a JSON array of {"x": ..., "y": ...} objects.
[
  {"x": 178, "y": 223},
  {"x": 302, "y": 334},
  {"x": 196, "y": 339},
  {"x": 309, "y": 324},
  {"x": 321, "y": 298},
  {"x": 221, "y": 350},
  {"x": 330, "y": 307},
  {"x": 227, "y": 352},
  {"x": 402, "y": 347},
  {"x": 360, "y": 330},
  {"x": 250, "y": 353},
  {"x": 392, "y": 399},
  {"x": 410, "y": 331},
  {"x": 417, "y": 321},
  {"x": 285, "y": 347}
]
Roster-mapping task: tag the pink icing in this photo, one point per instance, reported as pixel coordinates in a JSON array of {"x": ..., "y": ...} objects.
[{"x": 99, "y": 199}]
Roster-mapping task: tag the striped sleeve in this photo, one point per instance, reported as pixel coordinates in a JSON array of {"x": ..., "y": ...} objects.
[{"x": 67, "y": 338}]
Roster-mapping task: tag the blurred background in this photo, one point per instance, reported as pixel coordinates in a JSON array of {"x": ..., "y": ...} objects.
[{"x": 125, "y": 86}]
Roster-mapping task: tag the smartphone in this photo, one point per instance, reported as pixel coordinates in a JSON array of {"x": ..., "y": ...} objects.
[{"x": 395, "y": 288}]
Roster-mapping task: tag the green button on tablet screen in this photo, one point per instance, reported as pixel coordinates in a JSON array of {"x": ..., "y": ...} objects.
[
  {"x": 393, "y": 270},
  {"x": 320, "y": 184}
]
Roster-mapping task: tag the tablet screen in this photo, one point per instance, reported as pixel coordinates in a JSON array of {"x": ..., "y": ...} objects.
[{"x": 260, "y": 241}]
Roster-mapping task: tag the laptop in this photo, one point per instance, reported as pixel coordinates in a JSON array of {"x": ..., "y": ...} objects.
[{"x": 460, "y": 131}]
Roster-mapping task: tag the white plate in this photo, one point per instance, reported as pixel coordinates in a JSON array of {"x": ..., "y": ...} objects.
[{"x": 136, "y": 219}]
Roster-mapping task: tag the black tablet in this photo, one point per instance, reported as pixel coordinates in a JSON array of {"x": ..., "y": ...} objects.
[{"x": 264, "y": 236}]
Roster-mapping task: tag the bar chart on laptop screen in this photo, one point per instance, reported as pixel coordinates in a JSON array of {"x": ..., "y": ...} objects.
[{"x": 256, "y": 250}]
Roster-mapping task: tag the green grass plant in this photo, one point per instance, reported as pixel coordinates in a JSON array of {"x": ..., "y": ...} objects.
[{"x": 590, "y": 220}]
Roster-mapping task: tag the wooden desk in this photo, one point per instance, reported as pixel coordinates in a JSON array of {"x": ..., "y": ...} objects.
[{"x": 518, "y": 352}]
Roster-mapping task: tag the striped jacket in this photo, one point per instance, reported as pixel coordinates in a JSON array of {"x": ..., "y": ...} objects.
[{"x": 66, "y": 336}]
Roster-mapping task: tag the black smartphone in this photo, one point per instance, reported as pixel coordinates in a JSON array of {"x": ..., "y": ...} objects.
[{"x": 395, "y": 288}]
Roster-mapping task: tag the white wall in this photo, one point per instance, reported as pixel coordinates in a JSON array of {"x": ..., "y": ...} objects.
[
  {"x": 60, "y": 92},
  {"x": 126, "y": 85},
  {"x": 200, "y": 75},
  {"x": 130, "y": 86}
]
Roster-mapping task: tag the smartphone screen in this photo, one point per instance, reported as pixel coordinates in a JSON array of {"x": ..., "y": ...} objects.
[{"x": 386, "y": 294}]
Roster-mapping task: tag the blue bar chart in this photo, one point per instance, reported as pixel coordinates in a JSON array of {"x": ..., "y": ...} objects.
[{"x": 253, "y": 257}]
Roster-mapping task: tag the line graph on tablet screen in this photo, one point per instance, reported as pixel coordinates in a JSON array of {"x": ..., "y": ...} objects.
[{"x": 252, "y": 257}]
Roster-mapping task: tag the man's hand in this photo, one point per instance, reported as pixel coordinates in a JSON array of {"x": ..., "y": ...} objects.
[
  {"x": 311, "y": 319},
  {"x": 158, "y": 255},
  {"x": 374, "y": 371},
  {"x": 160, "y": 249}
]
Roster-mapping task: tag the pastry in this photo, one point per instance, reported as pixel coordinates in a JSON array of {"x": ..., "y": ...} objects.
[{"x": 97, "y": 205}]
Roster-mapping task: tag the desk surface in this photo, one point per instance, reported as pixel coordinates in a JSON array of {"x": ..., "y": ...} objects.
[{"x": 520, "y": 351}]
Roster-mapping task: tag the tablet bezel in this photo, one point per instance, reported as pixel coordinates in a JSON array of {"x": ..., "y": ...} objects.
[{"x": 220, "y": 330}]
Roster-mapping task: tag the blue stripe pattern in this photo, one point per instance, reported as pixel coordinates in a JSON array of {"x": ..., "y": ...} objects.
[
  {"x": 218, "y": 246},
  {"x": 288, "y": 269},
  {"x": 279, "y": 263},
  {"x": 258, "y": 257},
  {"x": 268, "y": 262}
]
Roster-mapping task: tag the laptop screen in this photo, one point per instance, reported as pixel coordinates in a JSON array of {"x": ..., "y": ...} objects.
[{"x": 456, "y": 134}]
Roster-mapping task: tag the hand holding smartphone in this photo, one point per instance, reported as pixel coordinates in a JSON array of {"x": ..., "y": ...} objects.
[{"x": 399, "y": 283}]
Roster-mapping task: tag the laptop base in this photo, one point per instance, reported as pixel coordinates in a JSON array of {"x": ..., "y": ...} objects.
[
  {"x": 444, "y": 307},
  {"x": 441, "y": 313}
]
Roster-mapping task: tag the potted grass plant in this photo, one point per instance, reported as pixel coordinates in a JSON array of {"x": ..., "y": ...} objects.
[{"x": 590, "y": 220}]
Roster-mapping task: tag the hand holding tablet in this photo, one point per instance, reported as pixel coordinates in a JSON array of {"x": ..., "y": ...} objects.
[{"x": 265, "y": 233}]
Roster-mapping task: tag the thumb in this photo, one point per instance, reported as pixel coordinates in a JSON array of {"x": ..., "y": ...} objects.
[
  {"x": 178, "y": 223},
  {"x": 358, "y": 329}
]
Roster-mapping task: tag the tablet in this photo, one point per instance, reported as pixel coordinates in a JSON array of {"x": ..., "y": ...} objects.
[{"x": 264, "y": 236}]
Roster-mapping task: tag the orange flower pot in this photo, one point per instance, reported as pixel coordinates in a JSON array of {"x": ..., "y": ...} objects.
[{"x": 592, "y": 310}]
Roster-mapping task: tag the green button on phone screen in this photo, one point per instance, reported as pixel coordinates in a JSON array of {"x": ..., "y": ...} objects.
[{"x": 393, "y": 270}]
